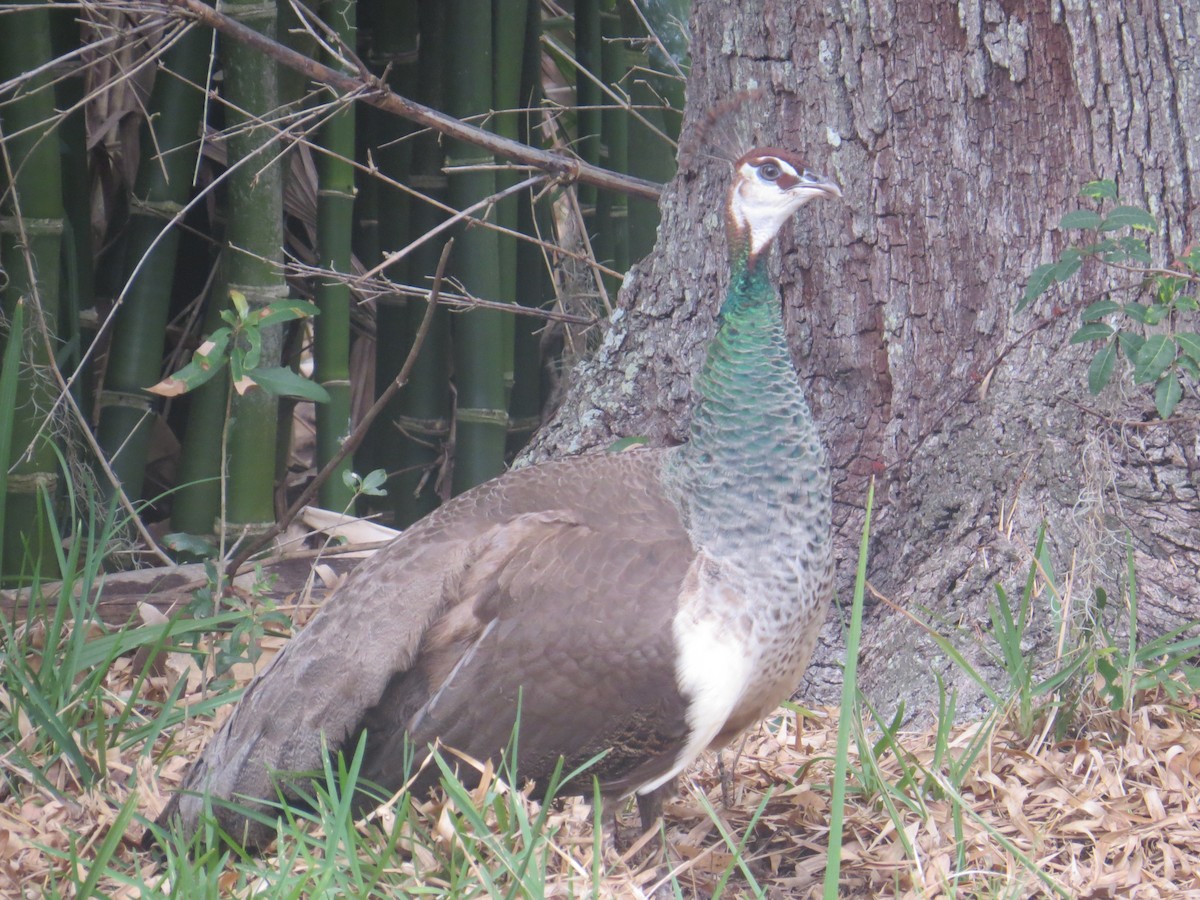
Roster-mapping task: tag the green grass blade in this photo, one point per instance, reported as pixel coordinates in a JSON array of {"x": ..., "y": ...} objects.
[
  {"x": 108, "y": 847},
  {"x": 9, "y": 378},
  {"x": 849, "y": 692}
]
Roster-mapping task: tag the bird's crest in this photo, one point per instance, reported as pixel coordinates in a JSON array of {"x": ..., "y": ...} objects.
[{"x": 729, "y": 128}]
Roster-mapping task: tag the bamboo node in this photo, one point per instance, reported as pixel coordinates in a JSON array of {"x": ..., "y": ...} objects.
[
  {"x": 482, "y": 416},
  {"x": 425, "y": 427},
  {"x": 428, "y": 182},
  {"x": 251, "y": 12},
  {"x": 139, "y": 401},
  {"x": 15, "y": 225},
  {"x": 160, "y": 209},
  {"x": 31, "y": 482}
]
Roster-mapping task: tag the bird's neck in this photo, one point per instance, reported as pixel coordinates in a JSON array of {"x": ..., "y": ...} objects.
[{"x": 754, "y": 458}]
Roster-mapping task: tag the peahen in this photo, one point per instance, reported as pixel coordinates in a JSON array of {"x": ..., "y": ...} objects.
[{"x": 644, "y": 605}]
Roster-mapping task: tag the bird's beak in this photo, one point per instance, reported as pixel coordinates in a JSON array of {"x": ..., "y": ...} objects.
[{"x": 826, "y": 186}]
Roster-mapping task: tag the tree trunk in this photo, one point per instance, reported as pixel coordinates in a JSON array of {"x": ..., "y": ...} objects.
[{"x": 960, "y": 135}]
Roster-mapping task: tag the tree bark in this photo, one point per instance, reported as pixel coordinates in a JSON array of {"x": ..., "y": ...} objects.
[{"x": 960, "y": 135}]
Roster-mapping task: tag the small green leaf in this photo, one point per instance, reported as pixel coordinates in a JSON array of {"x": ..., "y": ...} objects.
[
  {"x": 237, "y": 368},
  {"x": 1129, "y": 217},
  {"x": 371, "y": 484},
  {"x": 1105, "y": 189},
  {"x": 215, "y": 346},
  {"x": 253, "y": 353},
  {"x": 1112, "y": 682},
  {"x": 240, "y": 304},
  {"x": 283, "y": 382},
  {"x": 1068, "y": 264},
  {"x": 1191, "y": 259},
  {"x": 1167, "y": 394},
  {"x": 1168, "y": 288},
  {"x": 1100, "y": 309},
  {"x": 1093, "y": 331},
  {"x": 1133, "y": 250},
  {"x": 1190, "y": 367},
  {"x": 1040, "y": 279},
  {"x": 1156, "y": 354},
  {"x": 1131, "y": 344},
  {"x": 285, "y": 311},
  {"x": 182, "y": 542},
  {"x": 1105, "y": 246},
  {"x": 1080, "y": 218},
  {"x": 1189, "y": 343},
  {"x": 1101, "y": 368},
  {"x": 1139, "y": 312}
]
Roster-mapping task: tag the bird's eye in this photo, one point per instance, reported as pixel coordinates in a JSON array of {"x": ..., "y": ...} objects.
[{"x": 770, "y": 171}]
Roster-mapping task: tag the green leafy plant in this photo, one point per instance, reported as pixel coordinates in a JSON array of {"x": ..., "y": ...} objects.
[
  {"x": 1127, "y": 670},
  {"x": 239, "y": 344},
  {"x": 1150, "y": 329}
]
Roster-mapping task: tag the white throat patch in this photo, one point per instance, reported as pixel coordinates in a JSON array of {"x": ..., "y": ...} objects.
[{"x": 761, "y": 205}]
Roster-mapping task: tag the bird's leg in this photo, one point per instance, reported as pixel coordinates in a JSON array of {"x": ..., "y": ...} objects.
[
  {"x": 650, "y": 805},
  {"x": 725, "y": 773}
]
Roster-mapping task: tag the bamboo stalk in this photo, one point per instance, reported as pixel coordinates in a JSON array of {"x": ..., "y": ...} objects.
[
  {"x": 649, "y": 155},
  {"x": 534, "y": 285},
  {"x": 78, "y": 278},
  {"x": 612, "y": 209},
  {"x": 508, "y": 41},
  {"x": 196, "y": 508},
  {"x": 335, "y": 217},
  {"x": 482, "y": 355},
  {"x": 255, "y": 264},
  {"x": 587, "y": 97},
  {"x": 31, "y": 227},
  {"x": 422, "y": 427},
  {"x": 164, "y": 180},
  {"x": 255, "y": 544},
  {"x": 394, "y": 53}
]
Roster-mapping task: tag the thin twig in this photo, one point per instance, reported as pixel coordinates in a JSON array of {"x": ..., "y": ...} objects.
[
  {"x": 376, "y": 93},
  {"x": 453, "y": 220},
  {"x": 374, "y": 288},
  {"x": 356, "y": 437}
]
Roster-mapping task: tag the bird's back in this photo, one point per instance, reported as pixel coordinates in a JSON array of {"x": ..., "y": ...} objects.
[{"x": 553, "y": 587}]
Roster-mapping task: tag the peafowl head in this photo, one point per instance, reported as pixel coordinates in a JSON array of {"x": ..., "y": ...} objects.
[{"x": 769, "y": 184}]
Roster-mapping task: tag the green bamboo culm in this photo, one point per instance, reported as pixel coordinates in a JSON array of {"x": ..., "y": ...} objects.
[
  {"x": 335, "y": 217},
  {"x": 588, "y": 97},
  {"x": 650, "y": 155},
  {"x": 393, "y": 42},
  {"x": 77, "y": 287},
  {"x": 611, "y": 244},
  {"x": 482, "y": 356},
  {"x": 509, "y": 34},
  {"x": 196, "y": 506},
  {"x": 255, "y": 263},
  {"x": 169, "y": 145},
  {"x": 421, "y": 428},
  {"x": 535, "y": 287},
  {"x": 31, "y": 228}
]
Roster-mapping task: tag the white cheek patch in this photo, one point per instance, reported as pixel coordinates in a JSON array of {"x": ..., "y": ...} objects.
[{"x": 762, "y": 207}]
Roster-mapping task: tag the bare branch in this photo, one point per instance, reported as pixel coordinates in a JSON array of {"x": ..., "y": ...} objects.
[{"x": 376, "y": 93}]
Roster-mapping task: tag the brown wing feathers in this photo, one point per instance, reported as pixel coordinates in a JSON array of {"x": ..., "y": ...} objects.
[{"x": 494, "y": 598}]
